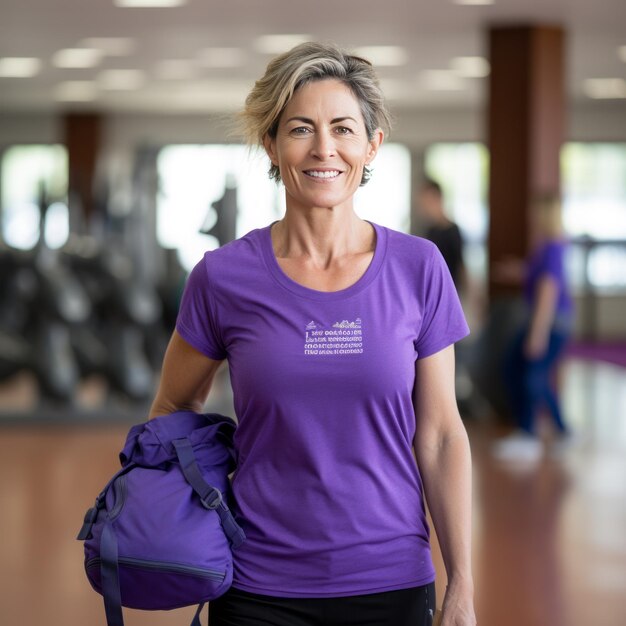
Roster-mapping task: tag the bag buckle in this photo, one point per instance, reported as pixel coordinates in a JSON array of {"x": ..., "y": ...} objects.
[
  {"x": 212, "y": 500},
  {"x": 89, "y": 521}
]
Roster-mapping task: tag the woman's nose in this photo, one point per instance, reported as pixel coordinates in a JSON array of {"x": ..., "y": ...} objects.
[{"x": 323, "y": 145}]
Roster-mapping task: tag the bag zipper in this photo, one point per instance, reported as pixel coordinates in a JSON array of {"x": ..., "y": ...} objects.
[{"x": 162, "y": 566}]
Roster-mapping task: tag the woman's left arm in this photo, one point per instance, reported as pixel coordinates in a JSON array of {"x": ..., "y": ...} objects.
[
  {"x": 542, "y": 317},
  {"x": 443, "y": 456}
]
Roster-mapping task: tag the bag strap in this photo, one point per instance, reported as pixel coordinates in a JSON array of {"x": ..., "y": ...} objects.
[
  {"x": 211, "y": 497},
  {"x": 110, "y": 576},
  {"x": 92, "y": 514},
  {"x": 196, "y": 618}
]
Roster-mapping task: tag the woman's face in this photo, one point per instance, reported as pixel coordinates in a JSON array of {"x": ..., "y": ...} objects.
[{"x": 321, "y": 146}]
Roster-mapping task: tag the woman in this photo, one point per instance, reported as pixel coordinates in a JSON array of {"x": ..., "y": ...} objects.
[
  {"x": 535, "y": 352},
  {"x": 329, "y": 323}
]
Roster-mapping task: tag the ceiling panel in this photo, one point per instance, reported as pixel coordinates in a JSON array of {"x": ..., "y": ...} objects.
[{"x": 432, "y": 32}]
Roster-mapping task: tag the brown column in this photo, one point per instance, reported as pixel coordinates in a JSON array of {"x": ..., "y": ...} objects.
[
  {"x": 525, "y": 132},
  {"x": 82, "y": 139}
]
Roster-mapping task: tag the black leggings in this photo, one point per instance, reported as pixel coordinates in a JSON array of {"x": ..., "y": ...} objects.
[{"x": 405, "y": 607}]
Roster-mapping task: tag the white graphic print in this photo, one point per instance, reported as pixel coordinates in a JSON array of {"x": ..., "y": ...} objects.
[
  {"x": 347, "y": 324},
  {"x": 341, "y": 338}
]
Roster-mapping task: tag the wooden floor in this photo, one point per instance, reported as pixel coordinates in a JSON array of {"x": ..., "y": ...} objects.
[{"x": 549, "y": 545}]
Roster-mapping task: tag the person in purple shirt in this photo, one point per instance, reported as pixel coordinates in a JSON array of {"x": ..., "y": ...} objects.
[
  {"x": 339, "y": 338},
  {"x": 535, "y": 352}
]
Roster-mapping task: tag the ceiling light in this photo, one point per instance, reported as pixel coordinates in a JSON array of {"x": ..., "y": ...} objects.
[
  {"x": 383, "y": 55},
  {"x": 221, "y": 57},
  {"x": 77, "y": 58},
  {"x": 621, "y": 51},
  {"x": 120, "y": 79},
  {"x": 75, "y": 91},
  {"x": 605, "y": 88},
  {"x": 470, "y": 67},
  {"x": 276, "y": 44},
  {"x": 147, "y": 4},
  {"x": 441, "y": 80},
  {"x": 110, "y": 46},
  {"x": 19, "y": 67},
  {"x": 474, "y": 2},
  {"x": 175, "y": 69}
]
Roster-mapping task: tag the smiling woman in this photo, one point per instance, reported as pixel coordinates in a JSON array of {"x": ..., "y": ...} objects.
[
  {"x": 308, "y": 63},
  {"x": 338, "y": 333},
  {"x": 321, "y": 146}
]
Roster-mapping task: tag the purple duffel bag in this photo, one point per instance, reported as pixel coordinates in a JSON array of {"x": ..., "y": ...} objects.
[{"x": 160, "y": 533}]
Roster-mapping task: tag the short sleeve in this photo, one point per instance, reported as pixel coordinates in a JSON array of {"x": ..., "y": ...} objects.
[
  {"x": 197, "y": 321},
  {"x": 443, "y": 322},
  {"x": 553, "y": 262}
]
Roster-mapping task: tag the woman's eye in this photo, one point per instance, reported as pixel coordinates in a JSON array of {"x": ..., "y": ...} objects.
[
  {"x": 343, "y": 130},
  {"x": 300, "y": 130}
]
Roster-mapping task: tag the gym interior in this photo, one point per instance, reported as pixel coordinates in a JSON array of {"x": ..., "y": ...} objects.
[{"x": 120, "y": 165}]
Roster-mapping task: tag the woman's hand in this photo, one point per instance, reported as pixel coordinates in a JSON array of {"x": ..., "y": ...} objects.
[
  {"x": 458, "y": 605},
  {"x": 535, "y": 346}
]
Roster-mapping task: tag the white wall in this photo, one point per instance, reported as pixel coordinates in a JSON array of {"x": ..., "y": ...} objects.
[{"x": 29, "y": 128}]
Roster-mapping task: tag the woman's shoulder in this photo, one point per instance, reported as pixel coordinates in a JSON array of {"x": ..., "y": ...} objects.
[
  {"x": 553, "y": 248},
  {"x": 241, "y": 254},
  {"x": 240, "y": 248},
  {"x": 409, "y": 246}
]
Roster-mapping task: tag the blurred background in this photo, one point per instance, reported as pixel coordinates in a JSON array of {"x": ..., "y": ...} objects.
[{"x": 119, "y": 167}]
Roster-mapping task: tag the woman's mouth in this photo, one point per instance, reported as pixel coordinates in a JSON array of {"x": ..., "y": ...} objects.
[{"x": 326, "y": 174}]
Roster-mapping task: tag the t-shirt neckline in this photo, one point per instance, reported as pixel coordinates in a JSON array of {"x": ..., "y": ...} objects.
[{"x": 306, "y": 292}]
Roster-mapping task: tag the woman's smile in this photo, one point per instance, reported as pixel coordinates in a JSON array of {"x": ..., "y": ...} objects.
[{"x": 323, "y": 175}]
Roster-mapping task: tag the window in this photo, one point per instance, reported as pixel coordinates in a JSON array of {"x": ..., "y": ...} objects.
[
  {"x": 594, "y": 206},
  {"x": 386, "y": 199},
  {"x": 27, "y": 173},
  {"x": 462, "y": 171},
  {"x": 594, "y": 212},
  {"x": 193, "y": 177}
]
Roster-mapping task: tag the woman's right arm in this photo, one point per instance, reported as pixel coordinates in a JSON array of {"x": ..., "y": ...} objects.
[{"x": 186, "y": 378}]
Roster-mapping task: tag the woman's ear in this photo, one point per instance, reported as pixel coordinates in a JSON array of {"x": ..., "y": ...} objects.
[
  {"x": 269, "y": 144},
  {"x": 374, "y": 144}
]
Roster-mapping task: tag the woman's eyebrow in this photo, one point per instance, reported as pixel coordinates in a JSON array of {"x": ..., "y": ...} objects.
[
  {"x": 307, "y": 120},
  {"x": 337, "y": 120}
]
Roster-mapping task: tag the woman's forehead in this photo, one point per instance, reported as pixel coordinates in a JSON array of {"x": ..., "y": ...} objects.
[{"x": 327, "y": 97}]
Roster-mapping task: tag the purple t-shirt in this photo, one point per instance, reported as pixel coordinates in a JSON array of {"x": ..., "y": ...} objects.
[
  {"x": 548, "y": 259},
  {"x": 327, "y": 488}
]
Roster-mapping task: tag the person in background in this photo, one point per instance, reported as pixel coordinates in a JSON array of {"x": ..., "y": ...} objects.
[
  {"x": 442, "y": 231},
  {"x": 446, "y": 235},
  {"x": 339, "y": 335},
  {"x": 535, "y": 352}
]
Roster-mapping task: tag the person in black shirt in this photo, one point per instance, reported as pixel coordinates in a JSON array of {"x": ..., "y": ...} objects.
[
  {"x": 446, "y": 235},
  {"x": 443, "y": 232}
]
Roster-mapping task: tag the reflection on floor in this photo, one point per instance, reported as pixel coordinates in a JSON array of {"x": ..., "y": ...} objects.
[{"x": 550, "y": 540}]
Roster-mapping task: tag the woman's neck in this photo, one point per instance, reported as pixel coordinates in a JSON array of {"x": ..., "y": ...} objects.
[{"x": 322, "y": 235}]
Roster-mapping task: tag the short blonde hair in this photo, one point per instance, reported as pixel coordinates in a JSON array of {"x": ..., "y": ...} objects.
[{"x": 308, "y": 62}]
